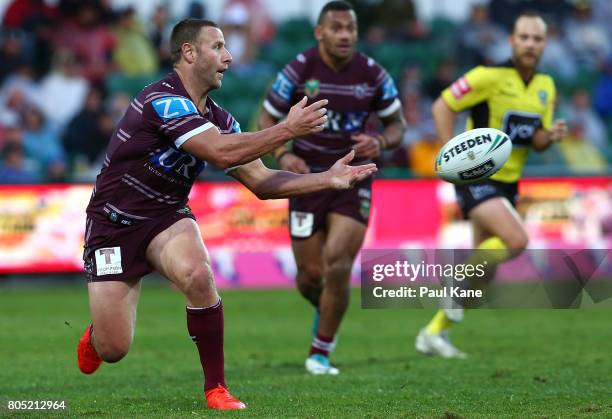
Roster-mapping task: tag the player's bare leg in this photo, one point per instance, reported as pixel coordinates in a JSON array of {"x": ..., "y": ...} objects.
[
  {"x": 113, "y": 312},
  {"x": 179, "y": 254},
  {"x": 498, "y": 236},
  {"x": 308, "y": 255},
  {"x": 344, "y": 238}
]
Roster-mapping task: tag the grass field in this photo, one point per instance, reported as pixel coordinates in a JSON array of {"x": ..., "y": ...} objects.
[{"x": 529, "y": 363}]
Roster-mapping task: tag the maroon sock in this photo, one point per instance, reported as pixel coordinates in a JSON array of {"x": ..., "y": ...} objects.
[
  {"x": 321, "y": 345},
  {"x": 205, "y": 327}
]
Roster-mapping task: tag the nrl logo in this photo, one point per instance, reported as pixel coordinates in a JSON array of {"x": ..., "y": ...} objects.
[
  {"x": 471, "y": 155},
  {"x": 312, "y": 88}
]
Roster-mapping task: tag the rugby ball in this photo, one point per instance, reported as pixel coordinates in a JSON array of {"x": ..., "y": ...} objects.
[{"x": 473, "y": 155}]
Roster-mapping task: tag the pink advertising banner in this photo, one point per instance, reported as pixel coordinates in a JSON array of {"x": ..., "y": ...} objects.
[{"x": 42, "y": 226}]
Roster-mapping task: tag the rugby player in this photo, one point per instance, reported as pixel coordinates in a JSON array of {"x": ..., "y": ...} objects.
[
  {"x": 515, "y": 98},
  {"x": 327, "y": 228},
  {"x": 138, "y": 220}
]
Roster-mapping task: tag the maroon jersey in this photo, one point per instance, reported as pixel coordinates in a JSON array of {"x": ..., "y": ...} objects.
[
  {"x": 145, "y": 172},
  {"x": 358, "y": 89}
]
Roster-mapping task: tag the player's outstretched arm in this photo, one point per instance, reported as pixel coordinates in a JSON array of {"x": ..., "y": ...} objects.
[
  {"x": 544, "y": 138},
  {"x": 274, "y": 184},
  {"x": 444, "y": 119},
  {"x": 229, "y": 150},
  {"x": 284, "y": 157}
]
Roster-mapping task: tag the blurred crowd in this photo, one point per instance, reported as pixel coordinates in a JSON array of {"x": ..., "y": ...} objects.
[{"x": 69, "y": 69}]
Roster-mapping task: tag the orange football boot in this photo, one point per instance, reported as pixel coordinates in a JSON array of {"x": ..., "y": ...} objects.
[
  {"x": 88, "y": 358},
  {"x": 220, "y": 398}
]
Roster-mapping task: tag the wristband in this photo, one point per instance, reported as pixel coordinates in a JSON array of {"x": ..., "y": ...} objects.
[{"x": 382, "y": 140}]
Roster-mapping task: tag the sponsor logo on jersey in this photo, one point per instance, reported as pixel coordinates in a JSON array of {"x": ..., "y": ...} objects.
[
  {"x": 480, "y": 191},
  {"x": 543, "y": 96},
  {"x": 466, "y": 145},
  {"x": 360, "y": 90},
  {"x": 389, "y": 90},
  {"x": 283, "y": 87},
  {"x": 478, "y": 171},
  {"x": 108, "y": 261},
  {"x": 173, "y": 107},
  {"x": 460, "y": 88},
  {"x": 521, "y": 126},
  {"x": 345, "y": 121},
  {"x": 301, "y": 223},
  {"x": 312, "y": 88},
  {"x": 173, "y": 160}
]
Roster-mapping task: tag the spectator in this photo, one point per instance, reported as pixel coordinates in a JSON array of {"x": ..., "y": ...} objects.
[
  {"x": 196, "y": 10},
  {"x": 603, "y": 91},
  {"x": 236, "y": 26},
  {"x": 580, "y": 155},
  {"x": 582, "y": 113},
  {"x": 586, "y": 38},
  {"x": 62, "y": 92},
  {"x": 261, "y": 25},
  {"x": 159, "y": 34},
  {"x": 15, "y": 168},
  {"x": 444, "y": 77},
  {"x": 36, "y": 18},
  {"x": 13, "y": 53},
  {"x": 42, "y": 144},
  {"x": 87, "y": 133},
  {"x": 116, "y": 105},
  {"x": 423, "y": 152},
  {"x": 503, "y": 12},
  {"x": 483, "y": 40},
  {"x": 90, "y": 41},
  {"x": 557, "y": 58},
  {"x": 393, "y": 19},
  {"x": 602, "y": 13},
  {"x": 134, "y": 54},
  {"x": 17, "y": 94}
]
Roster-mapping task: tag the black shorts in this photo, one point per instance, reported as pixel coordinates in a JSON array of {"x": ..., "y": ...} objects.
[
  {"x": 469, "y": 196},
  {"x": 115, "y": 247},
  {"x": 308, "y": 213}
]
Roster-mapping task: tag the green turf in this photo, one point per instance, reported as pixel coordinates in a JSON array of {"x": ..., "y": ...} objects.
[{"x": 529, "y": 363}]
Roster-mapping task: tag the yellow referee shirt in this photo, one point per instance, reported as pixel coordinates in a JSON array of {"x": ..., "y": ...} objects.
[{"x": 498, "y": 97}]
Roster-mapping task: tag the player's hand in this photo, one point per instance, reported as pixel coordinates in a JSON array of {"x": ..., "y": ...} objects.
[
  {"x": 366, "y": 146},
  {"x": 558, "y": 131},
  {"x": 303, "y": 120},
  {"x": 293, "y": 163},
  {"x": 343, "y": 176}
]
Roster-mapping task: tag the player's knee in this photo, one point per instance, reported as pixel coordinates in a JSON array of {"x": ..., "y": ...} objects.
[
  {"x": 310, "y": 273},
  {"x": 113, "y": 351},
  {"x": 197, "y": 282},
  {"x": 517, "y": 242},
  {"x": 338, "y": 266}
]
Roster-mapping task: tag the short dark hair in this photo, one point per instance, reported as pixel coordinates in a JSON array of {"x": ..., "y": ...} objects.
[
  {"x": 186, "y": 31},
  {"x": 527, "y": 13},
  {"x": 336, "y": 6}
]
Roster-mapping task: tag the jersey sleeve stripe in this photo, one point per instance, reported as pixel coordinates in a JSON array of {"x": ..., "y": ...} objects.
[
  {"x": 135, "y": 108},
  {"x": 272, "y": 110},
  {"x": 394, "y": 106},
  {"x": 182, "y": 122},
  {"x": 183, "y": 138},
  {"x": 292, "y": 74}
]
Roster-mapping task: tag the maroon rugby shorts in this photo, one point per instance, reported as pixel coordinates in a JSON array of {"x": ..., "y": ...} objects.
[
  {"x": 116, "y": 251},
  {"x": 308, "y": 213}
]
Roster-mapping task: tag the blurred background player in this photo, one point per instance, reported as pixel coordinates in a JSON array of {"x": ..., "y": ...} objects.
[
  {"x": 138, "y": 219},
  {"x": 327, "y": 228},
  {"x": 518, "y": 100}
]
